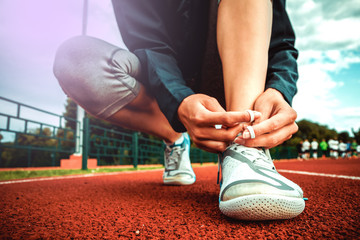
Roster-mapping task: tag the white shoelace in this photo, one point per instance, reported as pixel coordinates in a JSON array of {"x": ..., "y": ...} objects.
[
  {"x": 259, "y": 157},
  {"x": 173, "y": 155}
]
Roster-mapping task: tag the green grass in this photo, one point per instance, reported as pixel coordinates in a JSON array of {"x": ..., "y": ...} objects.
[{"x": 21, "y": 174}]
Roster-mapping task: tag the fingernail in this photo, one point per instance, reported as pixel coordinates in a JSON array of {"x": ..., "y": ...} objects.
[
  {"x": 257, "y": 114},
  {"x": 246, "y": 135}
]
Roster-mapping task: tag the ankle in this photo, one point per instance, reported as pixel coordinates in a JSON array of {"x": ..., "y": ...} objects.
[{"x": 172, "y": 139}]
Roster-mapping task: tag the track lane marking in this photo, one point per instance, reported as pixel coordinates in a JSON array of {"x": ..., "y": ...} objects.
[
  {"x": 75, "y": 176},
  {"x": 129, "y": 172},
  {"x": 319, "y": 174}
]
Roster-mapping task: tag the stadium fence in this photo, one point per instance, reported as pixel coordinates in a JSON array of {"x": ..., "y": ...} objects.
[{"x": 32, "y": 137}]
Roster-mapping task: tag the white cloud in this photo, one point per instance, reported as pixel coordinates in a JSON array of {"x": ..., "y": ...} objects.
[
  {"x": 319, "y": 29},
  {"x": 326, "y": 40},
  {"x": 350, "y": 112},
  {"x": 347, "y": 119},
  {"x": 315, "y": 99}
]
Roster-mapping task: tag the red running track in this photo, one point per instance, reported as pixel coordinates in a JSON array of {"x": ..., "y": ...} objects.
[{"x": 136, "y": 205}]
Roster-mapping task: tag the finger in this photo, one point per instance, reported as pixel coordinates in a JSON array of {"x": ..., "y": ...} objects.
[
  {"x": 272, "y": 139},
  {"x": 228, "y": 118},
  {"x": 213, "y": 105},
  {"x": 211, "y": 133},
  {"x": 252, "y": 115},
  {"x": 272, "y": 124},
  {"x": 265, "y": 114},
  {"x": 212, "y": 146},
  {"x": 251, "y": 132}
]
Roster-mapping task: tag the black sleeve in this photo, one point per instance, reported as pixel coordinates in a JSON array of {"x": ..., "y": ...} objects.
[
  {"x": 282, "y": 71},
  {"x": 149, "y": 29}
]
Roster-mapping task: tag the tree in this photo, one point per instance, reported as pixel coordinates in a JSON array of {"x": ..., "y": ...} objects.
[
  {"x": 107, "y": 133},
  {"x": 344, "y": 136},
  {"x": 70, "y": 114},
  {"x": 356, "y": 135},
  {"x": 36, "y": 148},
  {"x": 310, "y": 130}
]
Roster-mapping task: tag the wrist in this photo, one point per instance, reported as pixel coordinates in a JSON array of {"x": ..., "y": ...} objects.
[{"x": 275, "y": 92}]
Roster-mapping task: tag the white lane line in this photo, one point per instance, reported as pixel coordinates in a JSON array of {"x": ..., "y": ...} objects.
[
  {"x": 129, "y": 172},
  {"x": 75, "y": 176},
  {"x": 319, "y": 174}
]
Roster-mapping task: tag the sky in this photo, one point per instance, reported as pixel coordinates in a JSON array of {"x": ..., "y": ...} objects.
[{"x": 328, "y": 40}]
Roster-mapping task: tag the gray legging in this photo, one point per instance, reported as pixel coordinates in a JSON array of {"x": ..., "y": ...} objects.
[{"x": 98, "y": 76}]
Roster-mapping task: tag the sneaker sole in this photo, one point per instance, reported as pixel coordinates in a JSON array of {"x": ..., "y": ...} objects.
[
  {"x": 262, "y": 207},
  {"x": 179, "y": 181}
]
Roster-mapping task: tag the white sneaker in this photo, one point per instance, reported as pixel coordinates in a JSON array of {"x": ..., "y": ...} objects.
[
  {"x": 178, "y": 170},
  {"x": 252, "y": 189}
]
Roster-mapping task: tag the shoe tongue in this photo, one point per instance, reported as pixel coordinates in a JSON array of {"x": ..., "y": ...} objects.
[
  {"x": 263, "y": 160},
  {"x": 257, "y": 155},
  {"x": 249, "y": 150},
  {"x": 255, "y": 152}
]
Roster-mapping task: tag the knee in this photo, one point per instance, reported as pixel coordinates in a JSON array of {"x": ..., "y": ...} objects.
[
  {"x": 97, "y": 75},
  {"x": 83, "y": 57},
  {"x": 68, "y": 58}
]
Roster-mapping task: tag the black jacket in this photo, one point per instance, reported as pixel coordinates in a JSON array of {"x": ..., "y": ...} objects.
[{"x": 170, "y": 38}]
